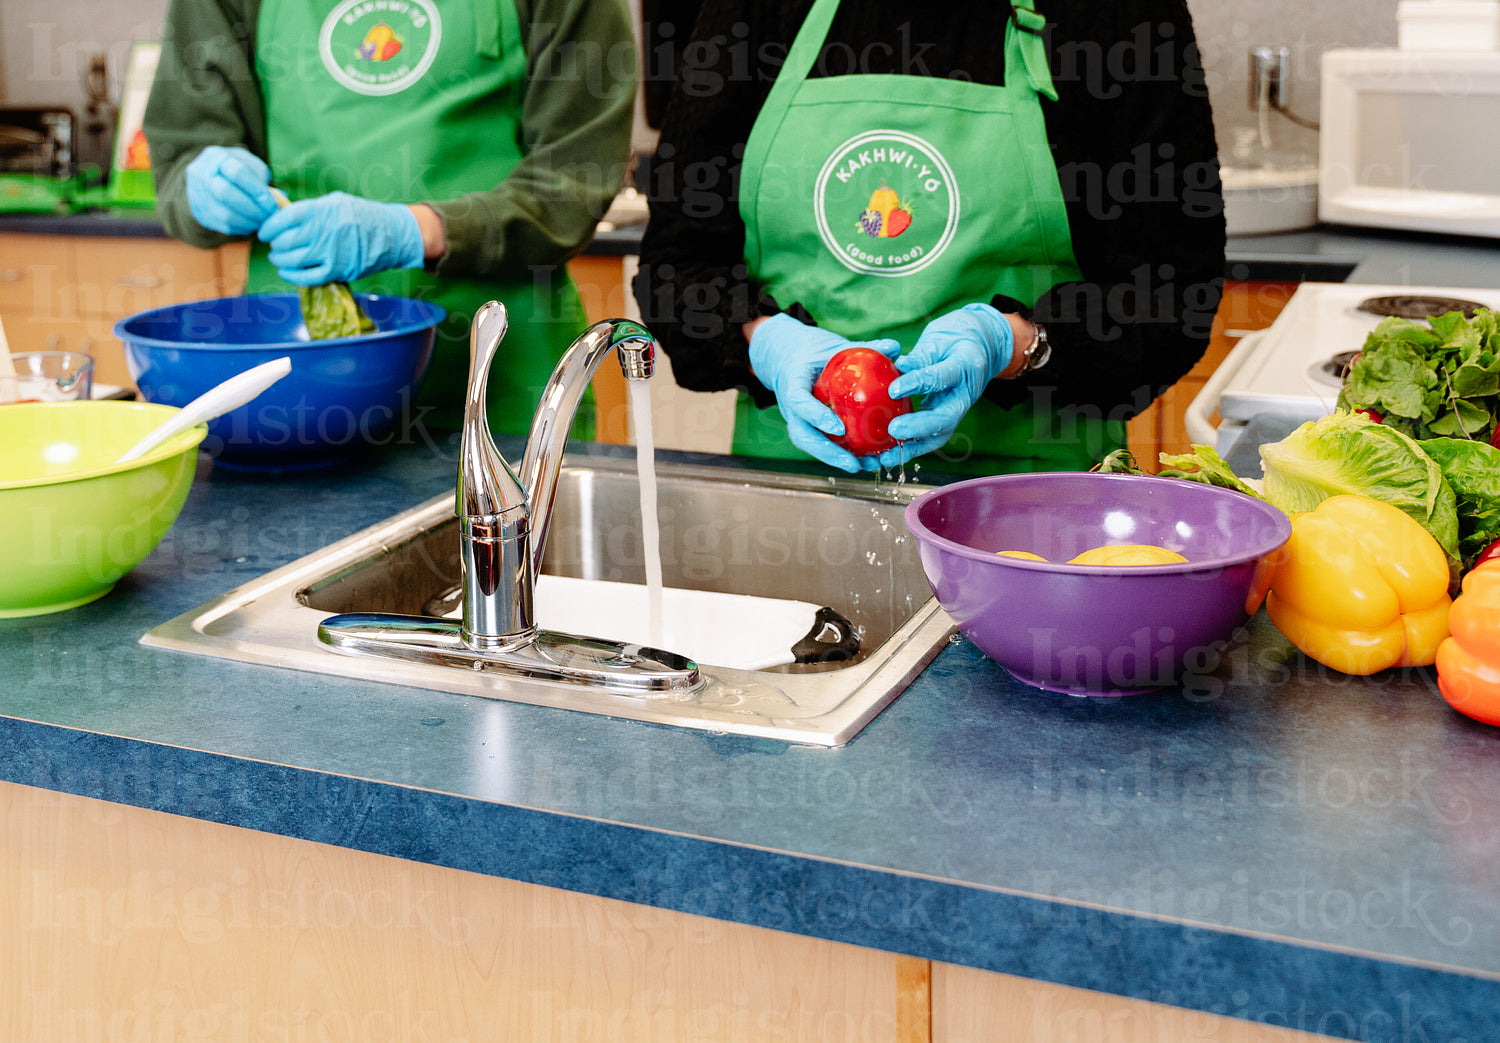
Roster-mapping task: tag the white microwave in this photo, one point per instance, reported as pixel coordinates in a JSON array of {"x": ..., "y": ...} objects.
[{"x": 1409, "y": 140}]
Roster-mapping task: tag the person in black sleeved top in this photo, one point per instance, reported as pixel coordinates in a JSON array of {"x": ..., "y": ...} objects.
[{"x": 1023, "y": 208}]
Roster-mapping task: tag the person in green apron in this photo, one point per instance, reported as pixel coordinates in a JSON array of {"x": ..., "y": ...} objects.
[
  {"x": 459, "y": 152},
  {"x": 914, "y": 194}
]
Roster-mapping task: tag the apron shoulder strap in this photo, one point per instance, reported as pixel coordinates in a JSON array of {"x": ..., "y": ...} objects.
[
  {"x": 802, "y": 54},
  {"x": 1024, "y": 40}
]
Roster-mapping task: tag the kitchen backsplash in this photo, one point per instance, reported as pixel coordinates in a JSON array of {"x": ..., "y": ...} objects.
[{"x": 46, "y": 47}]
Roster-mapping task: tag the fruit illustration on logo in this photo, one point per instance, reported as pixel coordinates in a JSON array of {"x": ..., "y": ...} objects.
[
  {"x": 886, "y": 215},
  {"x": 381, "y": 44}
]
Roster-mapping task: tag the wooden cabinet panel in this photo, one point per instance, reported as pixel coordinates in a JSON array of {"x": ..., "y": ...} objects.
[
  {"x": 61, "y": 291},
  {"x": 601, "y": 287},
  {"x": 37, "y": 276},
  {"x": 124, "y": 923},
  {"x": 119, "y": 277},
  {"x": 91, "y": 336},
  {"x": 972, "y": 1006},
  {"x": 1247, "y": 305}
]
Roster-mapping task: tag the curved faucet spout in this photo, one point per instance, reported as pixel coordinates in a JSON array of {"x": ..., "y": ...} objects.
[{"x": 636, "y": 348}]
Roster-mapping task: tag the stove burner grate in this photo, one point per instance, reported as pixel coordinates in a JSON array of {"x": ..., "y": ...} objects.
[{"x": 1417, "y": 306}]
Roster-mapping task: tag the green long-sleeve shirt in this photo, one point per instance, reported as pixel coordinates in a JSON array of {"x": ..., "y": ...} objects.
[{"x": 576, "y": 117}]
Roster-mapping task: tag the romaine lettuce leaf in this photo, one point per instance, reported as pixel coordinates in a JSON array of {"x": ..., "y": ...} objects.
[
  {"x": 1349, "y": 453},
  {"x": 330, "y": 310},
  {"x": 1204, "y": 465}
]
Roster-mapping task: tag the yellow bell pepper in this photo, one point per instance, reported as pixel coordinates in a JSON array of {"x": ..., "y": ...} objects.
[
  {"x": 1360, "y": 587},
  {"x": 1468, "y": 663}
]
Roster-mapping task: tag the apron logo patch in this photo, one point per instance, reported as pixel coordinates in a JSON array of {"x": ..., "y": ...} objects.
[
  {"x": 886, "y": 203},
  {"x": 379, "y": 47}
]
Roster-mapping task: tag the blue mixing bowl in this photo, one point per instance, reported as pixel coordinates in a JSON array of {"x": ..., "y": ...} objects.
[{"x": 343, "y": 393}]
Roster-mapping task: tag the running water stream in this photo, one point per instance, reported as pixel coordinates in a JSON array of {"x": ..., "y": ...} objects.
[{"x": 645, "y": 462}]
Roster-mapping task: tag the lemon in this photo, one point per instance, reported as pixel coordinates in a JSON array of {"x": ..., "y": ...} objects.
[
  {"x": 1128, "y": 554},
  {"x": 1020, "y": 554}
]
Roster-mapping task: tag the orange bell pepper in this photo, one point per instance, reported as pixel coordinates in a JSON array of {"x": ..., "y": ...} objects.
[
  {"x": 1360, "y": 587},
  {"x": 1468, "y": 662}
]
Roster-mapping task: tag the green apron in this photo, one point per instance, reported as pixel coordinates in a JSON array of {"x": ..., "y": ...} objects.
[
  {"x": 879, "y": 202},
  {"x": 402, "y": 102}
]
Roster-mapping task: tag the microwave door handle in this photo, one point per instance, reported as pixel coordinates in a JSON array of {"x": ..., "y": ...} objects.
[{"x": 1200, "y": 429}]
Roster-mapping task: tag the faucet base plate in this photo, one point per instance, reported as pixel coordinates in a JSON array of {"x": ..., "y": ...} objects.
[{"x": 611, "y": 666}]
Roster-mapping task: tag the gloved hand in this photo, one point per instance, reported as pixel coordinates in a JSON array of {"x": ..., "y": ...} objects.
[
  {"x": 228, "y": 190},
  {"x": 339, "y": 237},
  {"x": 787, "y": 357},
  {"x": 956, "y": 356}
]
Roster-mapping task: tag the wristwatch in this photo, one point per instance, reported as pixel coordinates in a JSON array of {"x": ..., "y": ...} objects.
[{"x": 1037, "y": 354}]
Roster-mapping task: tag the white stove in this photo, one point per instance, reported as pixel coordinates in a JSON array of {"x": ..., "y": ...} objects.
[{"x": 1293, "y": 369}]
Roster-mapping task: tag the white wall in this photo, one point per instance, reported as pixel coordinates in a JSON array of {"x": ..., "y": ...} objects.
[
  {"x": 1227, "y": 29},
  {"x": 45, "y": 46}
]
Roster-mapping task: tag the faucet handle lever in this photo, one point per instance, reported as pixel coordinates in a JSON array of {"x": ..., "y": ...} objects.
[{"x": 487, "y": 487}]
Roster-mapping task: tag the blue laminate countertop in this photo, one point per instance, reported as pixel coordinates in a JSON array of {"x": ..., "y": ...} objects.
[{"x": 1272, "y": 840}]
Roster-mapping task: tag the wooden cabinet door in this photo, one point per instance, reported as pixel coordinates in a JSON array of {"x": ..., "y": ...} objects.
[
  {"x": 37, "y": 279},
  {"x": 973, "y": 1006},
  {"x": 67, "y": 292},
  {"x": 1247, "y": 306},
  {"x": 119, "y": 277}
]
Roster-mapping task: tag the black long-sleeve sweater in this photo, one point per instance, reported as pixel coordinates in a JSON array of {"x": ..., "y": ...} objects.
[{"x": 1131, "y": 133}]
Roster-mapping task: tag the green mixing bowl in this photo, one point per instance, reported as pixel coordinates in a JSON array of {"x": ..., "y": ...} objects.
[{"x": 72, "y": 520}]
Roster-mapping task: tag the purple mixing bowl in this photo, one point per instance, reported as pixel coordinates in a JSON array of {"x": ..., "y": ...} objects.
[{"x": 1094, "y": 629}]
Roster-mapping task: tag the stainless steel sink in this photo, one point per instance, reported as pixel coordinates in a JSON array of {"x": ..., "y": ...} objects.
[{"x": 834, "y": 542}]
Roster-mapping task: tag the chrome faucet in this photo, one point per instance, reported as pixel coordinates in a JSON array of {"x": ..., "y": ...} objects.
[
  {"x": 499, "y": 513},
  {"x": 503, "y": 521}
]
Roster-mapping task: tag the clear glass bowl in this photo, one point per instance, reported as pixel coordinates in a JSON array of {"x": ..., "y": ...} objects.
[{"x": 54, "y": 376}]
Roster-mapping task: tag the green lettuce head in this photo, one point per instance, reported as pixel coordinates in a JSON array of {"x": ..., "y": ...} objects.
[{"x": 1349, "y": 453}]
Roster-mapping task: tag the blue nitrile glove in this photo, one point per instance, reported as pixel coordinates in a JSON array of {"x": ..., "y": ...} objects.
[
  {"x": 956, "y": 356},
  {"x": 787, "y": 357},
  {"x": 229, "y": 190},
  {"x": 339, "y": 237}
]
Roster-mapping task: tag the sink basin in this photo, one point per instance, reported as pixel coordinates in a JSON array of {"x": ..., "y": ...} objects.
[{"x": 838, "y": 543}]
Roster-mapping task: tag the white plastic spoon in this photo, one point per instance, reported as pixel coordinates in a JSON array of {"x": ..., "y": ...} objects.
[{"x": 214, "y": 402}]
